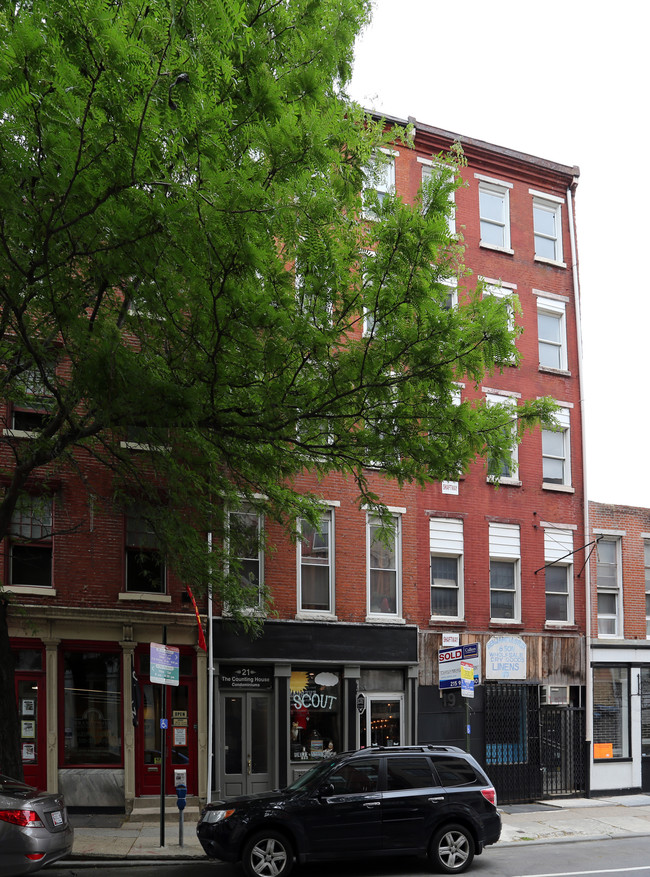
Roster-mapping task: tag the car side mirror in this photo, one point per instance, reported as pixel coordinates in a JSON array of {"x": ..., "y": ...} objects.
[{"x": 325, "y": 790}]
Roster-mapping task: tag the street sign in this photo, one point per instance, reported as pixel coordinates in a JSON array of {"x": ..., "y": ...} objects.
[
  {"x": 449, "y": 661},
  {"x": 466, "y": 679},
  {"x": 164, "y": 664}
]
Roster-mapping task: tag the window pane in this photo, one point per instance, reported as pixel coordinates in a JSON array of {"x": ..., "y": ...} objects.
[
  {"x": 611, "y": 709},
  {"x": 315, "y": 588},
  {"x": 408, "y": 773},
  {"x": 444, "y": 601},
  {"x": 502, "y": 575},
  {"x": 545, "y": 248},
  {"x": 315, "y": 713},
  {"x": 556, "y": 607},
  {"x": 548, "y": 326},
  {"x": 607, "y": 604},
  {"x": 550, "y": 355},
  {"x": 144, "y": 571},
  {"x": 552, "y": 443},
  {"x": 92, "y": 708},
  {"x": 492, "y": 234},
  {"x": 492, "y": 206},
  {"x": 31, "y": 565},
  {"x": 557, "y": 579},
  {"x": 553, "y": 471},
  {"x": 544, "y": 220},
  {"x": 502, "y": 605}
]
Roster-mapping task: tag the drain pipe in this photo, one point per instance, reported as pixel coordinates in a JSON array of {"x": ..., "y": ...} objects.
[
  {"x": 588, "y": 675},
  {"x": 210, "y": 687}
]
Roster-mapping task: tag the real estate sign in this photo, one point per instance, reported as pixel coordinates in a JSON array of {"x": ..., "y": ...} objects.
[
  {"x": 164, "y": 664},
  {"x": 449, "y": 664}
]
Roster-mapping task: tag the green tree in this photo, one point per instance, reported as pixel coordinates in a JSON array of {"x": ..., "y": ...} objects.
[{"x": 184, "y": 259}]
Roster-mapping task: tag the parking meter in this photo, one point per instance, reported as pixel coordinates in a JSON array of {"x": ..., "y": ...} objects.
[{"x": 181, "y": 795}]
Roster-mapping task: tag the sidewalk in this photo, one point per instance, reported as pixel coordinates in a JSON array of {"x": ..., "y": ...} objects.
[{"x": 564, "y": 819}]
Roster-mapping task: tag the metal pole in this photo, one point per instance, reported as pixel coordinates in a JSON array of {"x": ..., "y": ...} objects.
[
  {"x": 163, "y": 753},
  {"x": 181, "y": 815}
]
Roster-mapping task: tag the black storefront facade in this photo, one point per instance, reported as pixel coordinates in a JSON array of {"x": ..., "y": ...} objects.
[{"x": 303, "y": 691}]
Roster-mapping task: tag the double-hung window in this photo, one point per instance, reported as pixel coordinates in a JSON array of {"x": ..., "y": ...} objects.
[
  {"x": 380, "y": 179},
  {"x": 30, "y": 545},
  {"x": 499, "y": 289},
  {"x": 504, "y": 471},
  {"x": 551, "y": 334},
  {"x": 384, "y": 571},
  {"x": 446, "y": 547},
  {"x": 145, "y": 567},
  {"x": 438, "y": 172},
  {"x": 547, "y": 225},
  {"x": 494, "y": 212},
  {"x": 505, "y": 574},
  {"x": 609, "y": 586},
  {"x": 316, "y": 565},
  {"x": 556, "y": 451},
  {"x": 558, "y": 548},
  {"x": 245, "y": 548},
  {"x": 31, "y": 410},
  {"x": 611, "y": 712}
]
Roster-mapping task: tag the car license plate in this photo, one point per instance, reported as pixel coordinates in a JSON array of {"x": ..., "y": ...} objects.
[{"x": 57, "y": 818}]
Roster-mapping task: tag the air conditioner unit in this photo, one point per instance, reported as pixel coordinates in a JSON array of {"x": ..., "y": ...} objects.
[{"x": 554, "y": 695}]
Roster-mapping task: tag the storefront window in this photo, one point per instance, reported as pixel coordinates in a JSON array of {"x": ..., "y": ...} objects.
[
  {"x": 611, "y": 712},
  {"x": 315, "y": 714},
  {"x": 92, "y": 708}
]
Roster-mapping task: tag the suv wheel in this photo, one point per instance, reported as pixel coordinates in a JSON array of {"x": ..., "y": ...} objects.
[
  {"x": 452, "y": 849},
  {"x": 267, "y": 854}
]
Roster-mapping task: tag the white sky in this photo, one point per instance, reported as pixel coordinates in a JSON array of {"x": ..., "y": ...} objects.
[{"x": 565, "y": 80}]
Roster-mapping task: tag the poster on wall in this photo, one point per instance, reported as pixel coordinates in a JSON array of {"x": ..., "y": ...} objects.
[
  {"x": 28, "y": 729},
  {"x": 180, "y": 736},
  {"x": 28, "y": 707},
  {"x": 29, "y": 752}
]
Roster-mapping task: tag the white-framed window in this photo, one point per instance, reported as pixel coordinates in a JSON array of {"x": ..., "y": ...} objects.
[
  {"x": 30, "y": 544},
  {"x": 431, "y": 170},
  {"x": 556, "y": 450},
  {"x": 609, "y": 586},
  {"x": 379, "y": 177},
  {"x": 505, "y": 573},
  {"x": 316, "y": 565},
  {"x": 446, "y": 551},
  {"x": 551, "y": 334},
  {"x": 29, "y": 414},
  {"x": 502, "y": 290},
  {"x": 384, "y": 570},
  {"x": 505, "y": 472},
  {"x": 246, "y": 547},
  {"x": 494, "y": 212},
  {"x": 612, "y": 712},
  {"x": 646, "y": 564},
  {"x": 558, "y": 573},
  {"x": 547, "y": 227},
  {"x": 145, "y": 566},
  {"x": 452, "y": 294}
]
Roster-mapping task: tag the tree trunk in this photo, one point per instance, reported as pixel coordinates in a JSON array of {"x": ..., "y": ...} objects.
[{"x": 11, "y": 763}]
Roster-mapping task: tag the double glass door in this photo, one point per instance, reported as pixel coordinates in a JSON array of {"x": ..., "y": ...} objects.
[{"x": 246, "y": 753}]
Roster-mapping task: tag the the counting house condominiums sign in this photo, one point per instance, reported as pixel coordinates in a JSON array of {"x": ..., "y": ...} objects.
[{"x": 249, "y": 678}]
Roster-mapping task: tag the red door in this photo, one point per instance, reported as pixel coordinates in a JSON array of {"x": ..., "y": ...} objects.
[
  {"x": 30, "y": 694},
  {"x": 176, "y": 704}
]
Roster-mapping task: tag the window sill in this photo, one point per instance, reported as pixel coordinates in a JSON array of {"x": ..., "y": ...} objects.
[
  {"x": 505, "y": 482},
  {"x": 20, "y": 434},
  {"x": 547, "y": 370},
  {"x": 436, "y": 621},
  {"x": 139, "y": 446},
  {"x": 559, "y": 488},
  {"x": 43, "y": 591},
  {"x": 384, "y": 619},
  {"x": 497, "y": 623},
  {"x": 560, "y": 625},
  {"x": 315, "y": 616},
  {"x": 553, "y": 262},
  {"x": 153, "y": 598},
  {"x": 506, "y": 250}
]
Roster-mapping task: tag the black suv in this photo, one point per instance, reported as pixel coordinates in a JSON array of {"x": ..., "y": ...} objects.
[{"x": 381, "y": 801}]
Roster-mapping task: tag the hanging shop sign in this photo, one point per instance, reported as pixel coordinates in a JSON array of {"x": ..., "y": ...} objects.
[{"x": 246, "y": 678}]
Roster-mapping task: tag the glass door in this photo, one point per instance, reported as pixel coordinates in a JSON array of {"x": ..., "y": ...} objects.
[
  {"x": 246, "y": 758},
  {"x": 645, "y": 729},
  {"x": 380, "y": 724}
]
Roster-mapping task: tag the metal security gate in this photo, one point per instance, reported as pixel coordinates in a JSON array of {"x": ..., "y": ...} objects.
[
  {"x": 562, "y": 731},
  {"x": 531, "y": 752}
]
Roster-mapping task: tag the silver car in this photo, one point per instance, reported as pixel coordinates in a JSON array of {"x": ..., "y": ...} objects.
[{"x": 34, "y": 828}]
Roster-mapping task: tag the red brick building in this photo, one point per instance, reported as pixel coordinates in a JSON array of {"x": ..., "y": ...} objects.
[
  {"x": 620, "y": 646},
  {"x": 351, "y": 656},
  {"x": 498, "y": 565}
]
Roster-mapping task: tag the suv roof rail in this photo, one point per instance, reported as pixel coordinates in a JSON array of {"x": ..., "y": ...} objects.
[{"x": 418, "y": 747}]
